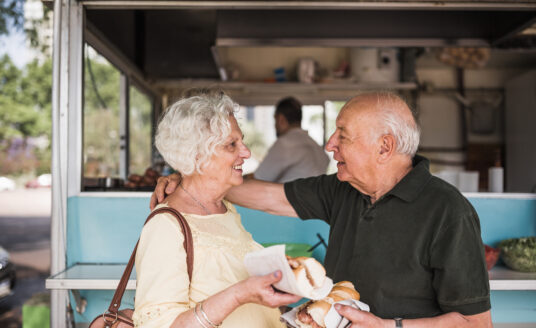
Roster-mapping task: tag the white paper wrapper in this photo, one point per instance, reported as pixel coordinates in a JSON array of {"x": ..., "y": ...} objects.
[
  {"x": 273, "y": 258},
  {"x": 332, "y": 320}
]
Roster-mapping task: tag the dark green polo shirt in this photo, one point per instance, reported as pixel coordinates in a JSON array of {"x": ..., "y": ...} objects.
[{"x": 416, "y": 252}]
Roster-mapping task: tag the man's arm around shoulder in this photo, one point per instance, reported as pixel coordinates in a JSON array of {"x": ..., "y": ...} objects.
[{"x": 261, "y": 195}]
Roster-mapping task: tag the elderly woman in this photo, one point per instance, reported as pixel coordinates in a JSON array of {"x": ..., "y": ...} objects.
[{"x": 200, "y": 138}]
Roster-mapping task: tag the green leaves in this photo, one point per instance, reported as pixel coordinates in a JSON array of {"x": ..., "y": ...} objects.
[
  {"x": 25, "y": 99},
  {"x": 25, "y": 111},
  {"x": 11, "y": 14}
]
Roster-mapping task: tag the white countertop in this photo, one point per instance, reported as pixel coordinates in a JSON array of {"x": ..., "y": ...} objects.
[
  {"x": 145, "y": 194},
  {"x": 106, "y": 276}
]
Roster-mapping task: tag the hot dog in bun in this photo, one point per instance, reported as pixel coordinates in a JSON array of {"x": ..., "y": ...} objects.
[
  {"x": 312, "y": 313},
  {"x": 309, "y": 273}
]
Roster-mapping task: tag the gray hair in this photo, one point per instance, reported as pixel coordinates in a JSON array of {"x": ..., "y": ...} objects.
[
  {"x": 392, "y": 120},
  {"x": 191, "y": 128}
]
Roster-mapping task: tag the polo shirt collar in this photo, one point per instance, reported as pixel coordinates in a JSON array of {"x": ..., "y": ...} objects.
[{"x": 412, "y": 184}]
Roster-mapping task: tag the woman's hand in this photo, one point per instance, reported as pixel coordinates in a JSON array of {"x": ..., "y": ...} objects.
[
  {"x": 164, "y": 186},
  {"x": 259, "y": 290}
]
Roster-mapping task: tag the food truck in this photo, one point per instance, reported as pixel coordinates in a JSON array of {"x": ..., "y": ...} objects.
[{"x": 467, "y": 68}]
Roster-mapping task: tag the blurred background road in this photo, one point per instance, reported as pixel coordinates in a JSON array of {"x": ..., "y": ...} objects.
[{"x": 25, "y": 234}]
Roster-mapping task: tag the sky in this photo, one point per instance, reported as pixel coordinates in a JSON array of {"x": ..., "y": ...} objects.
[{"x": 14, "y": 45}]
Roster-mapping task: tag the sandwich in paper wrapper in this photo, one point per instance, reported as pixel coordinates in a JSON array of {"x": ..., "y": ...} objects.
[
  {"x": 322, "y": 313},
  {"x": 306, "y": 277}
]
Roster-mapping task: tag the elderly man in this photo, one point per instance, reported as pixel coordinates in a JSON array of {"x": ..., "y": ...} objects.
[{"x": 409, "y": 241}]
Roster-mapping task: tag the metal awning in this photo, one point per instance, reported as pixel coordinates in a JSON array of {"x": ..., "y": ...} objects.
[{"x": 156, "y": 35}]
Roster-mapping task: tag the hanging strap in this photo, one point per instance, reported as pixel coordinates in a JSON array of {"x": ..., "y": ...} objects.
[{"x": 188, "y": 246}]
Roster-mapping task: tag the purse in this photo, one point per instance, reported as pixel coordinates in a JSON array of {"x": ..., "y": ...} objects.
[{"x": 115, "y": 318}]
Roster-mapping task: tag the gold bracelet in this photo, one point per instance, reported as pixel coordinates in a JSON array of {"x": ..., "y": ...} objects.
[
  {"x": 198, "y": 318},
  {"x": 206, "y": 317}
]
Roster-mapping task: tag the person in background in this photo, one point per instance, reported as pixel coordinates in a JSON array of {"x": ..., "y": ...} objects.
[
  {"x": 200, "y": 138},
  {"x": 409, "y": 241},
  {"x": 294, "y": 154}
]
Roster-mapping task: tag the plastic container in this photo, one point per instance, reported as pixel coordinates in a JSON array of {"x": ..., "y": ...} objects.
[{"x": 294, "y": 249}]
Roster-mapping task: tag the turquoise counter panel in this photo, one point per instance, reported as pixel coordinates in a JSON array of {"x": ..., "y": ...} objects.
[
  {"x": 266, "y": 228},
  {"x": 507, "y": 306},
  {"x": 513, "y": 306},
  {"x": 98, "y": 302},
  {"x": 105, "y": 230},
  {"x": 505, "y": 218}
]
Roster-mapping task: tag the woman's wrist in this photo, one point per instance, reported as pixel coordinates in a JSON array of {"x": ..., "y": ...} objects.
[{"x": 240, "y": 293}]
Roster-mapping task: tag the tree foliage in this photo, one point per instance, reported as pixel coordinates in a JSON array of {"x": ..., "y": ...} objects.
[
  {"x": 25, "y": 112},
  {"x": 25, "y": 99},
  {"x": 101, "y": 117},
  {"x": 140, "y": 131},
  {"x": 11, "y": 14}
]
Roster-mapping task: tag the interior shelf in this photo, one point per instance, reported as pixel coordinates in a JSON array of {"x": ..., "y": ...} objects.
[
  {"x": 502, "y": 278},
  {"x": 90, "y": 276}
]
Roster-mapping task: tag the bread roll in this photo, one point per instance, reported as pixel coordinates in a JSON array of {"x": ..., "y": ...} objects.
[
  {"x": 309, "y": 273},
  {"x": 312, "y": 313},
  {"x": 315, "y": 271},
  {"x": 318, "y": 311},
  {"x": 345, "y": 292},
  {"x": 300, "y": 273},
  {"x": 345, "y": 283}
]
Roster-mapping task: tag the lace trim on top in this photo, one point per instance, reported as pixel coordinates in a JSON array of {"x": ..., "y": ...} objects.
[{"x": 151, "y": 313}]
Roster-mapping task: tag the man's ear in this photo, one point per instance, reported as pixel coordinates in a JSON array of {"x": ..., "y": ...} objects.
[
  {"x": 282, "y": 120},
  {"x": 387, "y": 147}
]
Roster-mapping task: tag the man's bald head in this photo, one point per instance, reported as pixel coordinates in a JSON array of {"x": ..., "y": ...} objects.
[{"x": 391, "y": 115}]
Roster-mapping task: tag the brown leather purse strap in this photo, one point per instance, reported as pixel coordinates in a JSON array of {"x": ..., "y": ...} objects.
[{"x": 188, "y": 246}]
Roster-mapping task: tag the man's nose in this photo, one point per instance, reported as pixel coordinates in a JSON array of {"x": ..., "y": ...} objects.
[{"x": 331, "y": 144}]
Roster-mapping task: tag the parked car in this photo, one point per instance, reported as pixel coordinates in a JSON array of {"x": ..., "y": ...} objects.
[
  {"x": 6, "y": 184},
  {"x": 7, "y": 274},
  {"x": 44, "y": 180}
]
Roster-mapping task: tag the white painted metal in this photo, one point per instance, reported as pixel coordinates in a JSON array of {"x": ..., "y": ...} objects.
[
  {"x": 58, "y": 211},
  {"x": 501, "y": 278},
  {"x": 66, "y": 136},
  {"x": 491, "y": 195},
  {"x": 91, "y": 276},
  {"x": 57, "y": 300},
  {"x": 107, "y": 276},
  {"x": 123, "y": 126},
  {"x": 253, "y": 94},
  {"x": 117, "y": 194},
  {"x": 351, "y": 42},
  {"x": 498, "y": 195},
  {"x": 75, "y": 84},
  {"x": 371, "y": 5}
]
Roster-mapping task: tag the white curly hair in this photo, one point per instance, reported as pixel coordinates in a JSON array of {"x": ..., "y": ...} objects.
[{"x": 191, "y": 129}]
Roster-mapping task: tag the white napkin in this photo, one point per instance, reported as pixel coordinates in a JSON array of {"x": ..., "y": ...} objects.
[
  {"x": 332, "y": 319},
  {"x": 273, "y": 258}
]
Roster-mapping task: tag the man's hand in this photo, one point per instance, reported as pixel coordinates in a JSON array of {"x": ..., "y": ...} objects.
[
  {"x": 452, "y": 319},
  {"x": 164, "y": 186},
  {"x": 360, "y": 318}
]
